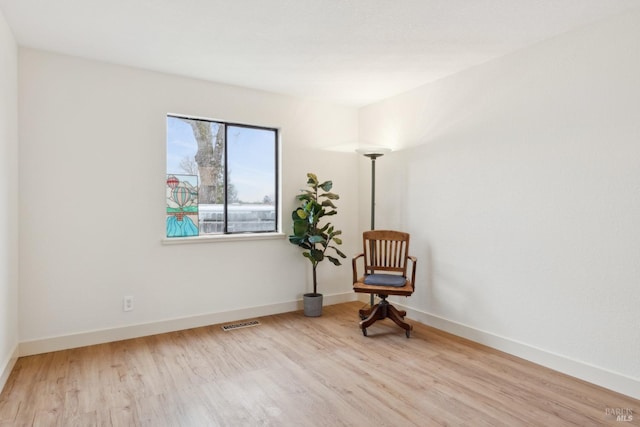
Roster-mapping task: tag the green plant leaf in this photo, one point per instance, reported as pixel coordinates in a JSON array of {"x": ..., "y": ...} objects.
[
  {"x": 317, "y": 208},
  {"x": 304, "y": 197},
  {"x": 301, "y": 214},
  {"x": 334, "y": 261},
  {"x": 331, "y": 196},
  {"x": 300, "y": 228},
  {"x": 338, "y": 251},
  {"x": 312, "y": 179},
  {"x": 328, "y": 203},
  {"x": 296, "y": 240},
  {"x": 317, "y": 255},
  {"x": 300, "y": 242},
  {"x": 326, "y": 186},
  {"x": 309, "y": 257},
  {"x": 316, "y": 239},
  {"x": 337, "y": 240}
]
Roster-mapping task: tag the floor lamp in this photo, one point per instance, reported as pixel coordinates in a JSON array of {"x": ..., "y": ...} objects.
[{"x": 373, "y": 154}]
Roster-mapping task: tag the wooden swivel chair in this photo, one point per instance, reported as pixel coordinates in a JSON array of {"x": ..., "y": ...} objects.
[{"x": 385, "y": 256}]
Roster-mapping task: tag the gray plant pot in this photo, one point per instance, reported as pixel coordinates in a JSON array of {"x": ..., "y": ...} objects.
[{"x": 312, "y": 305}]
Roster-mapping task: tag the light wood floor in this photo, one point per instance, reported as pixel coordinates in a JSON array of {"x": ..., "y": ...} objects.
[{"x": 297, "y": 371}]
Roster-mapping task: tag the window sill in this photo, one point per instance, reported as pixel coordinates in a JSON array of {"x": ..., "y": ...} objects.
[{"x": 218, "y": 238}]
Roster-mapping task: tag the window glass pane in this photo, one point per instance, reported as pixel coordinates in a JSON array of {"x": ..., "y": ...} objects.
[{"x": 251, "y": 178}]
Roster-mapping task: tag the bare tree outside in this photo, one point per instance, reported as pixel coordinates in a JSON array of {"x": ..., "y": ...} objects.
[
  {"x": 189, "y": 165},
  {"x": 208, "y": 162}
]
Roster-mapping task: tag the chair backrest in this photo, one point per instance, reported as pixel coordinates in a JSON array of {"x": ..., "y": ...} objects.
[{"x": 385, "y": 250}]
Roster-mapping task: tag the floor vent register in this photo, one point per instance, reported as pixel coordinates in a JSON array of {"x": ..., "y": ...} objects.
[{"x": 235, "y": 326}]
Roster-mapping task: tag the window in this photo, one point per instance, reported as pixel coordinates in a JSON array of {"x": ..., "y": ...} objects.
[{"x": 221, "y": 178}]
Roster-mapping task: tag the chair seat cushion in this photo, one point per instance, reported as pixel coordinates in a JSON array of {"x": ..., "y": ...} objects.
[{"x": 385, "y": 280}]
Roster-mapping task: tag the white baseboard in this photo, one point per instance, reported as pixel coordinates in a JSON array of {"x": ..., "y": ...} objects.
[
  {"x": 140, "y": 330},
  {"x": 8, "y": 367},
  {"x": 575, "y": 368}
]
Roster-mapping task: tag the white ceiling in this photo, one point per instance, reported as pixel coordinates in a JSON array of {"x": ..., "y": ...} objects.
[{"x": 352, "y": 52}]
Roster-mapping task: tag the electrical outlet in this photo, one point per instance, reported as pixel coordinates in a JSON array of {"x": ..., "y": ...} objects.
[{"x": 127, "y": 303}]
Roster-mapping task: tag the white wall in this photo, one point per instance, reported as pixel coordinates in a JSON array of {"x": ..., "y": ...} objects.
[
  {"x": 92, "y": 172},
  {"x": 8, "y": 200},
  {"x": 520, "y": 182}
]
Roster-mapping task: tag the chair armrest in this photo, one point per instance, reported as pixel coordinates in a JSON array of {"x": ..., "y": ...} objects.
[
  {"x": 414, "y": 261},
  {"x": 354, "y": 266}
]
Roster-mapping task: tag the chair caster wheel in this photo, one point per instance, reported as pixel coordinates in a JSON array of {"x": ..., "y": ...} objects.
[
  {"x": 364, "y": 331},
  {"x": 408, "y": 333}
]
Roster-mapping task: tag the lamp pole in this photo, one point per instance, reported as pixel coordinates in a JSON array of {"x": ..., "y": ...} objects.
[
  {"x": 373, "y": 157},
  {"x": 373, "y": 154}
]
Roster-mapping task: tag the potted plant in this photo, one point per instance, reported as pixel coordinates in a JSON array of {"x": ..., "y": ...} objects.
[{"x": 315, "y": 238}]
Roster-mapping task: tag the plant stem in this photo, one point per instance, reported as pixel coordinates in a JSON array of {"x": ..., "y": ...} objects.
[{"x": 315, "y": 280}]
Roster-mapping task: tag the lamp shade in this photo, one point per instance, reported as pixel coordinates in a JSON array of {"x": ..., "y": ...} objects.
[{"x": 373, "y": 151}]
